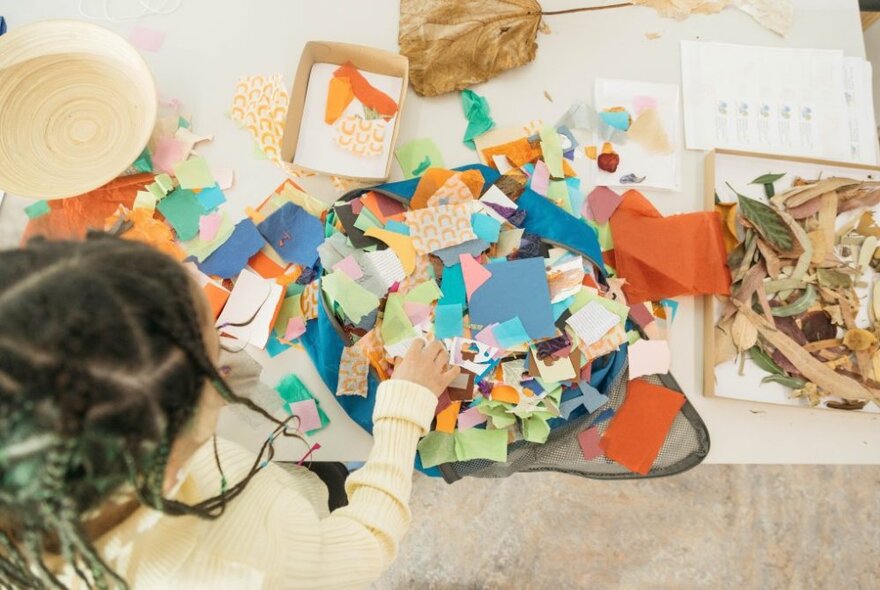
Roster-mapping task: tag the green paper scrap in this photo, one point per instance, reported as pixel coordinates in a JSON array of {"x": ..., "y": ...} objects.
[
  {"x": 182, "y": 210},
  {"x": 290, "y": 308},
  {"x": 156, "y": 190},
  {"x": 632, "y": 337},
  {"x": 476, "y": 443},
  {"x": 396, "y": 325},
  {"x": 603, "y": 234},
  {"x": 38, "y": 209},
  {"x": 355, "y": 301},
  {"x": 425, "y": 293},
  {"x": 366, "y": 220},
  {"x": 202, "y": 249},
  {"x": 535, "y": 429},
  {"x": 294, "y": 289},
  {"x": 476, "y": 111},
  {"x": 370, "y": 114},
  {"x": 497, "y": 413},
  {"x": 557, "y": 191},
  {"x": 144, "y": 200},
  {"x": 165, "y": 183},
  {"x": 448, "y": 321},
  {"x": 144, "y": 162},
  {"x": 181, "y": 122},
  {"x": 418, "y": 155},
  {"x": 292, "y": 390},
  {"x": 584, "y": 296},
  {"x": 437, "y": 448},
  {"x": 194, "y": 173},
  {"x": 551, "y": 146}
]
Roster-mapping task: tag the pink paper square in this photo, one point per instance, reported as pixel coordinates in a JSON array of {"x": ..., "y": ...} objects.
[
  {"x": 349, "y": 266},
  {"x": 168, "y": 152},
  {"x": 307, "y": 411},
  {"x": 589, "y": 442},
  {"x": 209, "y": 225},
  {"x": 470, "y": 418},
  {"x": 296, "y": 327},
  {"x": 540, "y": 178},
  {"x": 225, "y": 177},
  {"x": 146, "y": 39},
  {"x": 417, "y": 312}
]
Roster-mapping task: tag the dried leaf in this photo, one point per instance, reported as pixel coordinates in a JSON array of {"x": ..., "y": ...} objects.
[
  {"x": 725, "y": 349},
  {"x": 453, "y": 44},
  {"x": 821, "y": 376},
  {"x": 858, "y": 339},
  {"x": 743, "y": 332},
  {"x": 768, "y": 223},
  {"x": 799, "y": 306},
  {"x": 776, "y": 15},
  {"x": 802, "y": 194},
  {"x": 866, "y": 254},
  {"x": 817, "y": 326},
  {"x": 792, "y": 382},
  {"x": 833, "y": 279},
  {"x": 763, "y": 360},
  {"x": 767, "y": 178}
]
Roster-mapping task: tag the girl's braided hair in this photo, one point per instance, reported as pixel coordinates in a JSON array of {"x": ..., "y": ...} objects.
[{"x": 102, "y": 364}]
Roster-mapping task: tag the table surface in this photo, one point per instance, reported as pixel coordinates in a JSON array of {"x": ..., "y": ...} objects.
[{"x": 208, "y": 48}]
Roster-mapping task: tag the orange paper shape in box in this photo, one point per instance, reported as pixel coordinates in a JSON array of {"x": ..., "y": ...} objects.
[
  {"x": 637, "y": 431},
  {"x": 339, "y": 96},
  {"x": 401, "y": 244},
  {"x": 71, "y": 219},
  {"x": 365, "y": 92},
  {"x": 447, "y": 418},
  {"x": 217, "y": 297},
  {"x": 663, "y": 257},
  {"x": 434, "y": 178}
]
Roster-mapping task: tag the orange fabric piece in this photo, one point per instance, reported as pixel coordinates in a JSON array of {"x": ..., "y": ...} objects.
[
  {"x": 217, "y": 298},
  {"x": 72, "y": 218},
  {"x": 505, "y": 393},
  {"x": 663, "y": 257},
  {"x": 339, "y": 96},
  {"x": 265, "y": 266},
  {"x": 447, "y": 418},
  {"x": 639, "y": 427},
  {"x": 365, "y": 92},
  {"x": 519, "y": 152}
]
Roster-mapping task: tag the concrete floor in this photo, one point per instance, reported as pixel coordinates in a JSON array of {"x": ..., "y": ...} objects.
[{"x": 717, "y": 526}]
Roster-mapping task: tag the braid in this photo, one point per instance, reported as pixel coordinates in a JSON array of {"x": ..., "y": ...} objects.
[{"x": 102, "y": 365}]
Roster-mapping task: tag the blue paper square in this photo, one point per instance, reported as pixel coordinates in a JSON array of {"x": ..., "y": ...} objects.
[
  {"x": 517, "y": 288},
  {"x": 232, "y": 256},
  {"x": 452, "y": 286},
  {"x": 448, "y": 321},
  {"x": 211, "y": 197},
  {"x": 294, "y": 234},
  {"x": 487, "y": 228}
]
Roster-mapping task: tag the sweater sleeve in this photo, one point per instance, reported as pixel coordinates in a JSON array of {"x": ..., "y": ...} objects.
[{"x": 359, "y": 541}]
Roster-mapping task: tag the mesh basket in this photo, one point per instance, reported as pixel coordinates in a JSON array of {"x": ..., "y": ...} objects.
[{"x": 686, "y": 445}]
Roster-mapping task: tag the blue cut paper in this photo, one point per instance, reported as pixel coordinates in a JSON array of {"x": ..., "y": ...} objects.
[
  {"x": 397, "y": 227},
  {"x": 274, "y": 347},
  {"x": 560, "y": 307},
  {"x": 182, "y": 211},
  {"x": 604, "y": 415},
  {"x": 575, "y": 196},
  {"x": 211, "y": 197},
  {"x": 294, "y": 234},
  {"x": 616, "y": 119},
  {"x": 517, "y": 288},
  {"x": 232, "y": 256},
  {"x": 452, "y": 286},
  {"x": 671, "y": 304},
  {"x": 510, "y": 333},
  {"x": 2, "y": 25},
  {"x": 448, "y": 321},
  {"x": 593, "y": 400},
  {"x": 449, "y": 256},
  {"x": 487, "y": 228}
]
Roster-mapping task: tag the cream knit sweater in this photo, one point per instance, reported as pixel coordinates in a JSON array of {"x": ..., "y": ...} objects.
[{"x": 278, "y": 533}]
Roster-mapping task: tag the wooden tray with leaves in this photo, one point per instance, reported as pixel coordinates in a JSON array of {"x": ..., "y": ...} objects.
[{"x": 802, "y": 324}]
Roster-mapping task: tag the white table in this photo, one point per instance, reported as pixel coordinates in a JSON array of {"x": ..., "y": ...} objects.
[{"x": 210, "y": 44}]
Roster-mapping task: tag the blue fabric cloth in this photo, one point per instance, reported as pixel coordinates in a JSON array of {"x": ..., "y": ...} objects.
[{"x": 324, "y": 344}]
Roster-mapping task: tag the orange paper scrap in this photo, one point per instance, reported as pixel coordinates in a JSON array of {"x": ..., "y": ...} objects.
[
  {"x": 339, "y": 95},
  {"x": 663, "y": 257},
  {"x": 637, "y": 431},
  {"x": 216, "y": 296},
  {"x": 446, "y": 419},
  {"x": 365, "y": 92}
]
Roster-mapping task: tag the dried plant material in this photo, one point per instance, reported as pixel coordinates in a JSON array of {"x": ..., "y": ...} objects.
[
  {"x": 652, "y": 36},
  {"x": 547, "y": 96},
  {"x": 846, "y": 405},
  {"x": 768, "y": 223},
  {"x": 866, "y": 254},
  {"x": 454, "y": 44},
  {"x": 801, "y": 194},
  {"x": 743, "y": 332},
  {"x": 858, "y": 339},
  {"x": 818, "y": 373},
  {"x": 776, "y": 15},
  {"x": 817, "y": 326}
]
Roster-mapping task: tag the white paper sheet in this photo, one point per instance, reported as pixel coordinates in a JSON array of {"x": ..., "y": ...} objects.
[
  {"x": 592, "y": 322},
  {"x": 250, "y": 309},
  {"x": 660, "y": 171},
  {"x": 316, "y": 147},
  {"x": 774, "y": 100}
]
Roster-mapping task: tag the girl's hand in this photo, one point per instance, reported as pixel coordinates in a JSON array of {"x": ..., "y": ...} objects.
[{"x": 427, "y": 366}]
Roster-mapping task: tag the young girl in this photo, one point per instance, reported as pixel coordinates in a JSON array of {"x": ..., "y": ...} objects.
[{"x": 110, "y": 472}]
